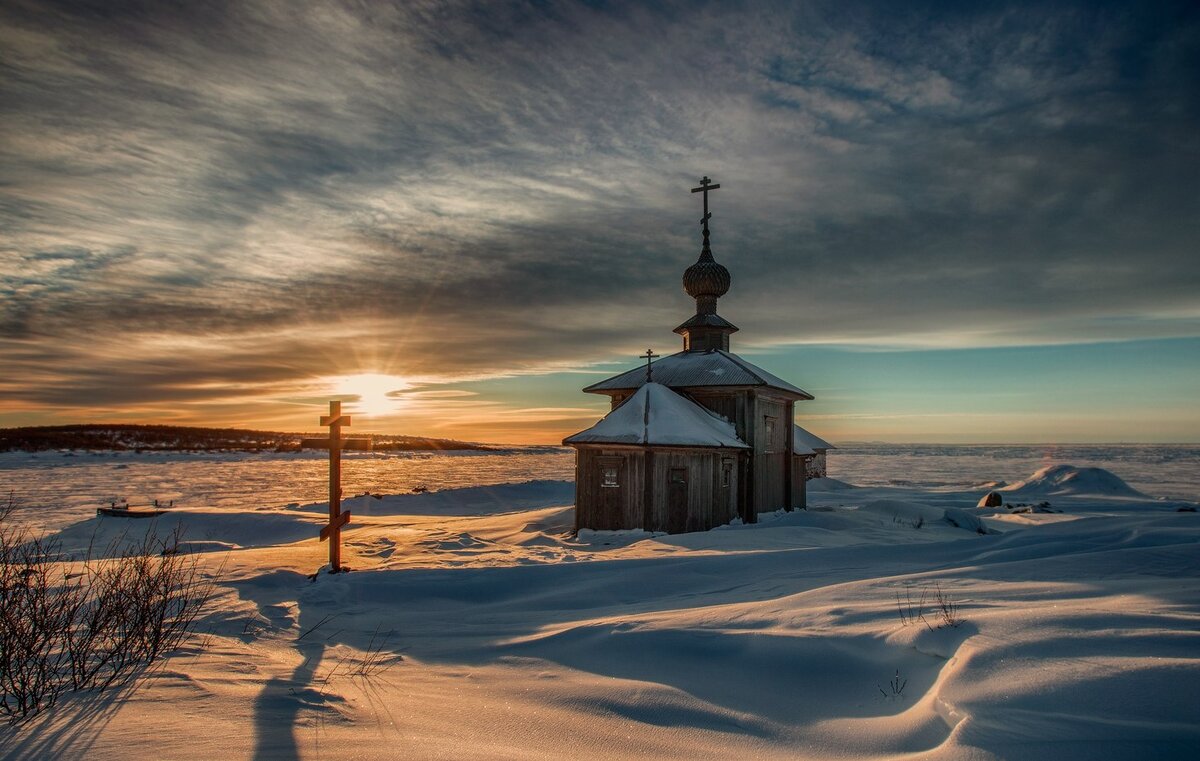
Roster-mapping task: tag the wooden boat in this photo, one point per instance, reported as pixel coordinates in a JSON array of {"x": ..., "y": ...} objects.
[
  {"x": 134, "y": 511},
  {"x": 126, "y": 512}
]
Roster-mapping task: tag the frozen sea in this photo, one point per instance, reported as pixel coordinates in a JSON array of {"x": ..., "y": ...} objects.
[{"x": 63, "y": 487}]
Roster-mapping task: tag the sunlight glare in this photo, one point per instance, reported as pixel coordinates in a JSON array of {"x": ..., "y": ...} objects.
[{"x": 376, "y": 392}]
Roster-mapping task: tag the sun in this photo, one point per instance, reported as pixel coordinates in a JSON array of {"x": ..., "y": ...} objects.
[{"x": 378, "y": 393}]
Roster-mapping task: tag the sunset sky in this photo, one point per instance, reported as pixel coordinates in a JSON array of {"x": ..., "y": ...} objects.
[{"x": 948, "y": 222}]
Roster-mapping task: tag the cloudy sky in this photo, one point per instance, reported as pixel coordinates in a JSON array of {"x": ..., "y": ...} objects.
[{"x": 974, "y": 223}]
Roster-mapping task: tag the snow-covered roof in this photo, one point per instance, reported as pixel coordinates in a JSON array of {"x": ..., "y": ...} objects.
[
  {"x": 656, "y": 415},
  {"x": 689, "y": 369},
  {"x": 804, "y": 442}
]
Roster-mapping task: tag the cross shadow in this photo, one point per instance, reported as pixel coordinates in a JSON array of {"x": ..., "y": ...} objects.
[
  {"x": 475, "y": 600},
  {"x": 279, "y": 706},
  {"x": 277, "y": 709}
]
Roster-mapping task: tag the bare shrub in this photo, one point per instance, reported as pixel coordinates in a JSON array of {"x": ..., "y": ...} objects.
[
  {"x": 945, "y": 611},
  {"x": 376, "y": 660},
  {"x": 8, "y": 506},
  {"x": 911, "y": 612},
  {"x": 87, "y": 624},
  {"x": 896, "y": 685},
  {"x": 37, "y": 605}
]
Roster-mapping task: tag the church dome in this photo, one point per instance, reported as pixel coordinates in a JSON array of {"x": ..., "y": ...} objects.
[{"x": 706, "y": 277}]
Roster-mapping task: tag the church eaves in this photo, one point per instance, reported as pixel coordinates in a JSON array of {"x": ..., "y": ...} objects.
[
  {"x": 690, "y": 369},
  {"x": 657, "y": 416}
]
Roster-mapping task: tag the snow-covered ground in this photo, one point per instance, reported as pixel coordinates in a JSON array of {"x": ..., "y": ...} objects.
[{"x": 474, "y": 625}]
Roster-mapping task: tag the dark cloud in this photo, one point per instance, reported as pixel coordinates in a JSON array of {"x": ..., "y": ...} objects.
[{"x": 209, "y": 202}]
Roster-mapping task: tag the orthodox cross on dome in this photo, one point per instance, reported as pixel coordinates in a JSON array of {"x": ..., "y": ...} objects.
[
  {"x": 649, "y": 356},
  {"x": 706, "y": 281},
  {"x": 705, "y": 186}
]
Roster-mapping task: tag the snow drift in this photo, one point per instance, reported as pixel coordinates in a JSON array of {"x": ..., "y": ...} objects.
[
  {"x": 474, "y": 626},
  {"x": 1069, "y": 480},
  {"x": 472, "y": 500},
  {"x": 828, "y": 484},
  {"x": 917, "y": 515}
]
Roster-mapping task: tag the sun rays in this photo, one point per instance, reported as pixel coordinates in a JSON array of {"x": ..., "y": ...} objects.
[{"x": 373, "y": 394}]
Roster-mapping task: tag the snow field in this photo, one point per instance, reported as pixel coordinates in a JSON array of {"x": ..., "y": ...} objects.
[{"x": 467, "y": 630}]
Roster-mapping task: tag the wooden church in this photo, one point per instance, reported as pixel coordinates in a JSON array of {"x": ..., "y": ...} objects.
[{"x": 694, "y": 439}]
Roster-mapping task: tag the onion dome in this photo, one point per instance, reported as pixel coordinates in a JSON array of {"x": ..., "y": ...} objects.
[
  {"x": 706, "y": 277},
  {"x": 706, "y": 281}
]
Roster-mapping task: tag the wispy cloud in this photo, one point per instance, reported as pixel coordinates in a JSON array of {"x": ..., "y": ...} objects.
[{"x": 215, "y": 205}]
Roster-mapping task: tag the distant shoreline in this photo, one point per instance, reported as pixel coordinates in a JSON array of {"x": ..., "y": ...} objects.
[{"x": 125, "y": 437}]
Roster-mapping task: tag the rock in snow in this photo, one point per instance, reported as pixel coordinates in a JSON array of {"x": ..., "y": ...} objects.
[{"x": 991, "y": 499}]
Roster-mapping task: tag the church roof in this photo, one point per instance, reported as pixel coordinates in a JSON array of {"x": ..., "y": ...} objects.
[
  {"x": 656, "y": 415},
  {"x": 693, "y": 369},
  {"x": 803, "y": 440}
]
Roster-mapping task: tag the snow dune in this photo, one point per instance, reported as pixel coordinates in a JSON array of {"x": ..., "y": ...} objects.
[
  {"x": 474, "y": 500},
  {"x": 495, "y": 633},
  {"x": 1064, "y": 480}
]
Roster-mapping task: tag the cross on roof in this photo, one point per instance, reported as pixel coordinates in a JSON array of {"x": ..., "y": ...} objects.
[
  {"x": 649, "y": 356},
  {"x": 705, "y": 186}
]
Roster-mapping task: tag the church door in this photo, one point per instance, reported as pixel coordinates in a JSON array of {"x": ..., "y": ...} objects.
[{"x": 677, "y": 501}]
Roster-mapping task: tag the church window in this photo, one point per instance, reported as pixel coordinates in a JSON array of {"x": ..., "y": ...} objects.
[
  {"x": 769, "y": 433},
  {"x": 726, "y": 473}
]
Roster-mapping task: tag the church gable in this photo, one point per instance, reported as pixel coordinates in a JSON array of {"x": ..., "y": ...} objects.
[{"x": 657, "y": 416}]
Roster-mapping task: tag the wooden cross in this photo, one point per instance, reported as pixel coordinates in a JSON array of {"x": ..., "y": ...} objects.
[
  {"x": 335, "y": 444},
  {"x": 649, "y": 356},
  {"x": 705, "y": 186}
]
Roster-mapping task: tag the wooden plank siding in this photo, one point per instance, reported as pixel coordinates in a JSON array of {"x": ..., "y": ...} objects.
[
  {"x": 789, "y": 496},
  {"x": 763, "y": 479},
  {"x": 800, "y": 481},
  {"x": 607, "y": 508},
  {"x": 709, "y": 503},
  {"x": 772, "y": 459},
  {"x": 736, "y": 404}
]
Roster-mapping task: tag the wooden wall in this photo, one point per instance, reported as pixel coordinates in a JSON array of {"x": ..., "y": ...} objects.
[
  {"x": 800, "y": 481},
  {"x": 764, "y": 472},
  {"x": 605, "y": 508},
  {"x": 737, "y": 406},
  {"x": 771, "y": 455},
  {"x": 817, "y": 465},
  {"x": 762, "y": 475},
  {"x": 708, "y": 503}
]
